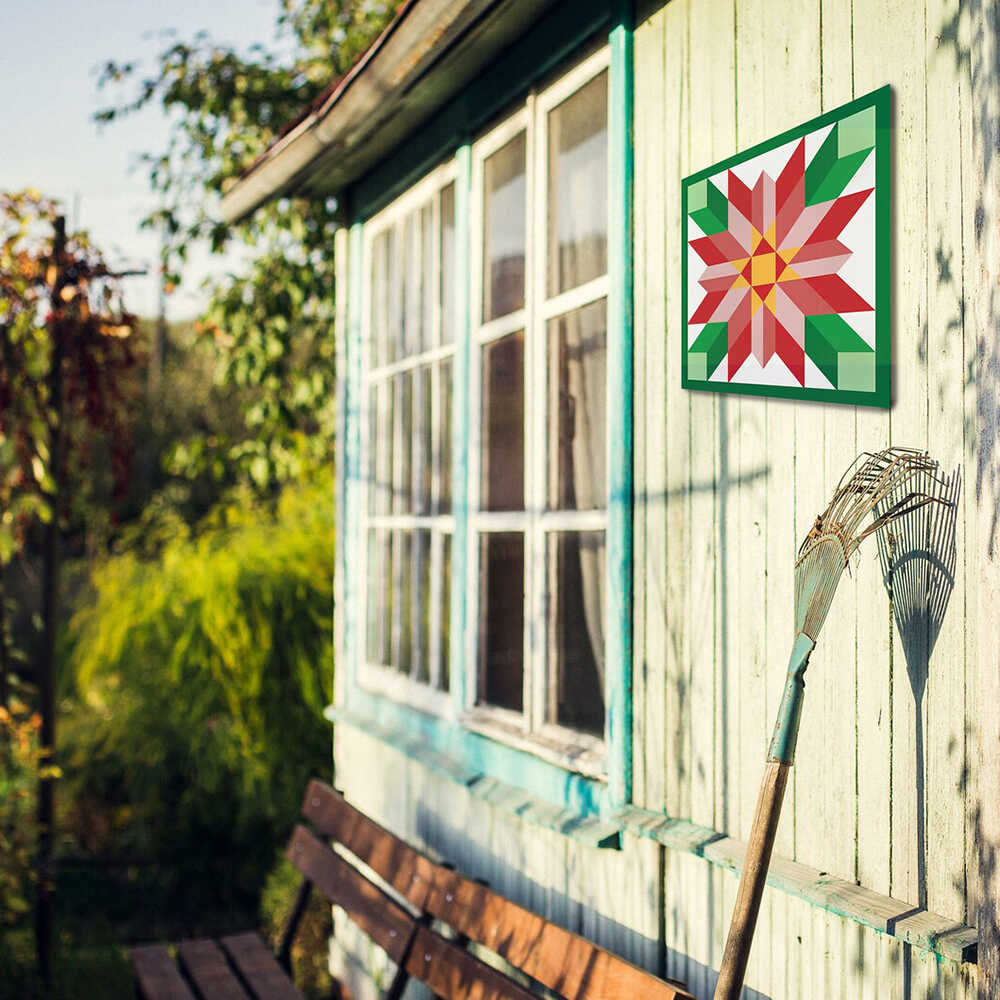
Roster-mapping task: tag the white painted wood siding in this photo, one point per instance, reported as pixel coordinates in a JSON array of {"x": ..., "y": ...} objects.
[{"x": 884, "y": 782}]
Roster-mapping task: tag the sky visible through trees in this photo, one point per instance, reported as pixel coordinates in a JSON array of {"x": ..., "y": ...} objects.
[{"x": 50, "y": 141}]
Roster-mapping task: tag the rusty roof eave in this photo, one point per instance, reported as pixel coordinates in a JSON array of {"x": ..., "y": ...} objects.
[{"x": 396, "y": 83}]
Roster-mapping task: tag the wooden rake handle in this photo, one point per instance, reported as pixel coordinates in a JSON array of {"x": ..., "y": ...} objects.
[
  {"x": 758, "y": 857},
  {"x": 765, "y": 825}
]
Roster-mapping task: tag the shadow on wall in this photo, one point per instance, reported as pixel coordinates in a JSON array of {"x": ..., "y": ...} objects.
[
  {"x": 455, "y": 846},
  {"x": 917, "y": 555}
]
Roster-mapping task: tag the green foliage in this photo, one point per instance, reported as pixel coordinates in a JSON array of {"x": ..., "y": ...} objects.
[
  {"x": 202, "y": 672},
  {"x": 310, "y": 968},
  {"x": 272, "y": 324},
  {"x": 19, "y": 765}
]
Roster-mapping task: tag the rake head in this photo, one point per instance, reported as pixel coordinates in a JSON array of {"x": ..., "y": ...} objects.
[{"x": 880, "y": 483}]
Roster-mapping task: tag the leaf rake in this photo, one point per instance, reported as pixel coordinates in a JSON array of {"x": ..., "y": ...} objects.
[{"x": 879, "y": 484}]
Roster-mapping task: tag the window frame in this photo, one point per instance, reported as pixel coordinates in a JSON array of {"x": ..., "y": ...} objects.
[
  {"x": 561, "y": 38},
  {"x": 378, "y": 678},
  {"x": 529, "y": 729}
]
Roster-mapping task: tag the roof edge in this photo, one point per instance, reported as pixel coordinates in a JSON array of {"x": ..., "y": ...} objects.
[{"x": 402, "y": 53}]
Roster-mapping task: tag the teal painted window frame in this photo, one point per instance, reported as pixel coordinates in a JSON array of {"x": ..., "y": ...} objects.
[{"x": 564, "y": 31}]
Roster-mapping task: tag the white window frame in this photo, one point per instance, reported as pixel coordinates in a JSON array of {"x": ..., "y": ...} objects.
[
  {"x": 375, "y": 677},
  {"x": 528, "y": 729}
]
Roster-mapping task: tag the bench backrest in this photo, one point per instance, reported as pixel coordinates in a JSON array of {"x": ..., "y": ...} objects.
[{"x": 566, "y": 963}]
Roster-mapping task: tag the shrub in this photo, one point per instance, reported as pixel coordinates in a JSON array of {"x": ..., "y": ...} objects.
[
  {"x": 202, "y": 672},
  {"x": 19, "y": 767}
]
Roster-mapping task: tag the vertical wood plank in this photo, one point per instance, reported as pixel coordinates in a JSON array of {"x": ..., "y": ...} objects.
[
  {"x": 810, "y": 492},
  {"x": 874, "y": 652},
  {"x": 908, "y": 426},
  {"x": 836, "y": 685},
  {"x": 709, "y": 133},
  {"x": 946, "y": 695},
  {"x": 985, "y": 68},
  {"x": 651, "y": 448}
]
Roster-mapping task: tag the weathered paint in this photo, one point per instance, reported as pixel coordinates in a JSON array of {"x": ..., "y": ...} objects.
[
  {"x": 618, "y": 673},
  {"x": 786, "y": 726},
  {"x": 460, "y": 439},
  {"x": 879, "y": 880}
]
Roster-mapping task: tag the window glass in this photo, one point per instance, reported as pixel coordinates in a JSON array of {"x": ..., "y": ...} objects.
[
  {"x": 503, "y": 424},
  {"x": 447, "y": 284},
  {"x": 577, "y": 415},
  {"x": 501, "y": 626},
  {"x": 444, "y": 439},
  {"x": 576, "y": 566},
  {"x": 408, "y": 438},
  {"x": 425, "y": 466},
  {"x": 577, "y": 187},
  {"x": 504, "y": 229},
  {"x": 422, "y": 618},
  {"x": 445, "y": 628}
]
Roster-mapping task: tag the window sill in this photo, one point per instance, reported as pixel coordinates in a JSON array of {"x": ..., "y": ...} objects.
[
  {"x": 585, "y": 755},
  {"x": 590, "y": 830},
  {"x": 895, "y": 918}
]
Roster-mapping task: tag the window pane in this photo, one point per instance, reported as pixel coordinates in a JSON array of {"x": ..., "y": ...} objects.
[
  {"x": 503, "y": 424},
  {"x": 501, "y": 620},
  {"x": 504, "y": 229},
  {"x": 427, "y": 276},
  {"x": 576, "y": 630},
  {"x": 577, "y": 372},
  {"x": 578, "y": 187},
  {"x": 424, "y": 467},
  {"x": 412, "y": 305},
  {"x": 422, "y": 616},
  {"x": 447, "y": 285},
  {"x": 402, "y": 471},
  {"x": 444, "y": 681},
  {"x": 444, "y": 440},
  {"x": 386, "y": 588},
  {"x": 373, "y": 594},
  {"x": 379, "y": 305},
  {"x": 402, "y": 626},
  {"x": 394, "y": 295}
]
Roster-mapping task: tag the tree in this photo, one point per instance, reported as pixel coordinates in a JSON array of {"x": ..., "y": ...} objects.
[
  {"x": 65, "y": 351},
  {"x": 273, "y": 325}
]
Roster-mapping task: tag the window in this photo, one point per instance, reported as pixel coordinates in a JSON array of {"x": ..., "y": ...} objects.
[
  {"x": 409, "y": 325},
  {"x": 534, "y": 434},
  {"x": 539, "y": 423}
]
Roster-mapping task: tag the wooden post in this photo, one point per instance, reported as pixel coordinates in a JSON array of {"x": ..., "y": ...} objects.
[{"x": 984, "y": 63}]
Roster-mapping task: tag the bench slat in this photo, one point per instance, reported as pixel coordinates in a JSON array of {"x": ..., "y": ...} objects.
[
  {"x": 453, "y": 973},
  {"x": 208, "y": 970},
  {"x": 261, "y": 973},
  {"x": 380, "y": 917},
  {"x": 557, "y": 958},
  {"x": 403, "y": 867},
  {"x": 157, "y": 977}
]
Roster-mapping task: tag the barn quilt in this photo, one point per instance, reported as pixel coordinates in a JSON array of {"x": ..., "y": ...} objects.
[{"x": 785, "y": 263}]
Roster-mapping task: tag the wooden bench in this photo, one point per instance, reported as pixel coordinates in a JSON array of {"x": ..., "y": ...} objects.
[{"x": 423, "y": 915}]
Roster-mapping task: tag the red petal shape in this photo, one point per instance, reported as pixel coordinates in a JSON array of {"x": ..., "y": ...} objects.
[
  {"x": 740, "y": 196},
  {"x": 790, "y": 353},
  {"x": 841, "y": 212},
  {"x": 741, "y": 340},
  {"x": 708, "y": 306},
  {"x": 838, "y": 293},
  {"x": 718, "y": 248}
]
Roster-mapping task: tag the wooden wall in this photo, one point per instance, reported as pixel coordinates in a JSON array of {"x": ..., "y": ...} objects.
[{"x": 885, "y": 788}]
